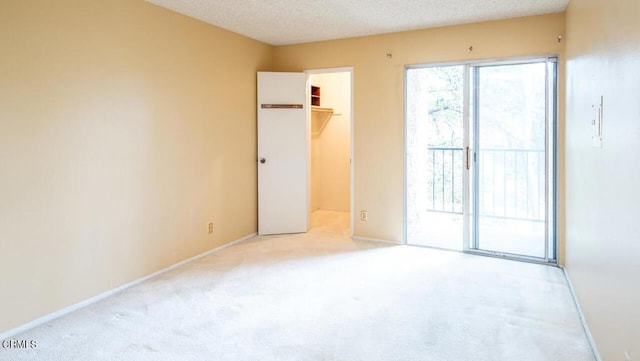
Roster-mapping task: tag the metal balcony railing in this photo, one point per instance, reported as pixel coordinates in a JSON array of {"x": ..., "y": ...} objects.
[
  {"x": 511, "y": 182},
  {"x": 445, "y": 183}
]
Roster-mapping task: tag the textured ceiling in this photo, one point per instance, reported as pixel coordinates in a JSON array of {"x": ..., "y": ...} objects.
[{"x": 283, "y": 22}]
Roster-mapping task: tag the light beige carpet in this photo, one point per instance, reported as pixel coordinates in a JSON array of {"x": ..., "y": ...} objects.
[{"x": 323, "y": 296}]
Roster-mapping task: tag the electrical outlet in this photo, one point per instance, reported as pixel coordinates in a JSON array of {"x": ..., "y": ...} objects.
[
  {"x": 210, "y": 227},
  {"x": 364, "y": 216},
  {"x": 627, "y": 357}
]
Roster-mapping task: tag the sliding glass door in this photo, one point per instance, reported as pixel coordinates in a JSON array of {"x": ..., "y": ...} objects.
[
  {"x": 435, "y": 156},
  {"x": 480, "y": 157}
]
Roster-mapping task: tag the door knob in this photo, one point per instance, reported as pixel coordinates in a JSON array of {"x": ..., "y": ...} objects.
[{"x": 263, "y": 161}]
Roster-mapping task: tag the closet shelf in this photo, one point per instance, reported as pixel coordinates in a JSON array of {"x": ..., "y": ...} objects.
[
  {"x": 315, "y": 95},
  {"x": 319, "y": 119}
]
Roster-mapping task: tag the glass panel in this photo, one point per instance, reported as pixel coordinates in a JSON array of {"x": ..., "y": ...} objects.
[
  {"x": 511, "y": 170},
  {"x": 435, "y": 156}
]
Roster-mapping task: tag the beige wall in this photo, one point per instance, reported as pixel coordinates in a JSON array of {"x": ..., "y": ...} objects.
[
  {"x": 124, "y": 129},
  {"x": 379, "y": 95},
  {"x": 603, "y": 184},
  {"x": 315, "y": 172},
  {"x": 331, "y": 149}
]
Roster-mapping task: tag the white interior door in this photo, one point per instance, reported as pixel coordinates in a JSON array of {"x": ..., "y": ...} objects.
[{"x": 283, "y": 153}]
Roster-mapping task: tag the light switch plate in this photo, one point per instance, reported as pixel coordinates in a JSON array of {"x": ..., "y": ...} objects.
[{"x": 596, "y": 123}]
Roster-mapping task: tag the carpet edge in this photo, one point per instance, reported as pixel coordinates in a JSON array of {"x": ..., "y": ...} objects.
[{"x": 377, "y": 240}]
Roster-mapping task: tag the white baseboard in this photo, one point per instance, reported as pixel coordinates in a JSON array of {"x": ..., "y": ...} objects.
[
  {"x": 583, "y": 320},
  {"x": 377, "y": 240},
  {"x": 37, "y": 322}
]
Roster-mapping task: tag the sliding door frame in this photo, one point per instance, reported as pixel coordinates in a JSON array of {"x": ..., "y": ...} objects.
[{"x": 471, "y": 166}]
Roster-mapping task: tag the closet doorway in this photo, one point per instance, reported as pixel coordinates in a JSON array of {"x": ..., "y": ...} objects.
[{"x": 331, "y": 173}]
